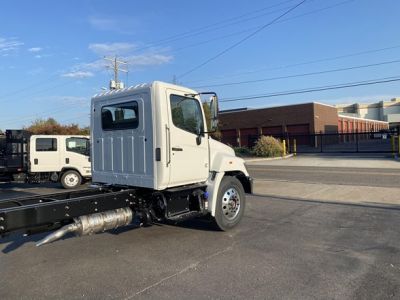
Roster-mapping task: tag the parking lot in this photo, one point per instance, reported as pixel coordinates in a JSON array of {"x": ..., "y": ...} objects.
[{"x": 298, "y": 240}]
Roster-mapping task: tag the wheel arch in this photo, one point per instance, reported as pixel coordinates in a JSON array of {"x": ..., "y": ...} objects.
[
  {"x": 246, "y": 181},
  {"x": 214, "y": 182},
  {"x": 65, "y": 169}
]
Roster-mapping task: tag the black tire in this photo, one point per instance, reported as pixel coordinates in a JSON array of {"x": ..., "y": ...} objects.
[
  {"x": 228, "y": 215},
  {"x": 71, "y": 179}
]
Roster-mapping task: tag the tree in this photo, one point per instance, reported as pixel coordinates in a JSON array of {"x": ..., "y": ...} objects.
[{"x": 51, "y": 126}]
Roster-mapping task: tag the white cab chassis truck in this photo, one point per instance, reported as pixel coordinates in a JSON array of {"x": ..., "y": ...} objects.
[
  {"x": 64, "y": 158},
  {"x": 42, "y": 158},
  {"x": 152, "y": 161}
]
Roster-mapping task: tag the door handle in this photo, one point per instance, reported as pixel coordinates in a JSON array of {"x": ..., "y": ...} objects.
[
  {"x": 67, "y": 160},
  {"x": 35, "y": 161},
  {"x": 177, "y": 149},
  {"x": 168, "y": 140}
]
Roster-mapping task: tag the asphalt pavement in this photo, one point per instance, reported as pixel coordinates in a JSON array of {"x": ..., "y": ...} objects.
[{"x": 285, "y": 248}]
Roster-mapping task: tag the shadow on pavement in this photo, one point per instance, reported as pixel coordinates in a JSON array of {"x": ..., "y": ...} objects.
[
  {"x": 17, "y": 240},
  {"x": 203, "y": 224}
]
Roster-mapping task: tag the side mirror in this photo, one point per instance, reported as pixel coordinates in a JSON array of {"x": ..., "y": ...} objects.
[{"x": 214, "y": 112}]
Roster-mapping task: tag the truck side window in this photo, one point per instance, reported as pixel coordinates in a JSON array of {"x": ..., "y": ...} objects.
[
  {"x": 46, "y": 144},
  {"x": 187, "y": 114},
  {"x": 120, "y": 116},
  {"x": 78, "y": 145}
]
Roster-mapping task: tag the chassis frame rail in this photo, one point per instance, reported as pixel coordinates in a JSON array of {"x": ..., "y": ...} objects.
[{"x": 28, "y": 213}]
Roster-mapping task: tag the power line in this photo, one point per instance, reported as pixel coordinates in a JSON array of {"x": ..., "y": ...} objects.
[
  {"x": 213, "y": 27},
  {"x": 28, "y": 88},
  {"x": 43, "y": 90},
  {"x": 315, "y": 11},
  {"x": 255, "y": 27},
  {"x": 173, "y": 38},
  {"x": 335, "y": 57},
  {"x": 206, "y": 29},
  {"x": 316, "y": 89},
  {"x": 38, "y": 115},
  {"x": 242, "y": 40},
  {"x": 273, "y": 78},
  {"x": 304, "y": 63},
  {"x": 300, "y": 75}
]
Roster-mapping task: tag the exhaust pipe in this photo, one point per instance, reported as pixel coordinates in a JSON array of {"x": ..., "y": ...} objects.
[{"x": 90, "y": 224}]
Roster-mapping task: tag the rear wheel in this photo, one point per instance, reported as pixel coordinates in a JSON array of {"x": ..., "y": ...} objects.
[
  {"x": 71, "y": 179},
  {"x": 231, "y": 201}
]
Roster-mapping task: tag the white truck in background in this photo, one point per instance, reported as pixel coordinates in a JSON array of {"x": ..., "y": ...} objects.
[
  {"x": 66, "y": 158},
  {"x": 43, "y": 158},
  {"x": 153, "y": 160}
]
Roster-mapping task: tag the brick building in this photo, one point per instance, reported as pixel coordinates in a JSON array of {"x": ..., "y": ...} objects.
[{"x": 239, "y": 126}]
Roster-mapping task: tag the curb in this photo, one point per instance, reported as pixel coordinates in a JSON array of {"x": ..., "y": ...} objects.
[{"x": 267, "y": 158}]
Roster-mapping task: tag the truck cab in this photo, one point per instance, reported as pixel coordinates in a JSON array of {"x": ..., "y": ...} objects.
[{"x": 155, "y": 136}]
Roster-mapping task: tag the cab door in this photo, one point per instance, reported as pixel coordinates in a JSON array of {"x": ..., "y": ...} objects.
[
  {"x": 44, "y": 154},
  {"x": 188, "y": 144},
  {"x": 76, "y": 155}
]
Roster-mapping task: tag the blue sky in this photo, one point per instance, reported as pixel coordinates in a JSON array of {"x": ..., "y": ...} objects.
[{"x": 51, "y": 52}]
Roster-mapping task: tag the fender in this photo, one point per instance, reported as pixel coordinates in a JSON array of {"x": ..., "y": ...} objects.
[
  {"x": 228, "y": 163},
  {"x": 225, "y": 164}
]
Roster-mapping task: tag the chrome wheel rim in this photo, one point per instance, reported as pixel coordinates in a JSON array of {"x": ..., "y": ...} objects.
[
  {"x": 71, "y": 179},
  {"x": 230, "y": 203}
]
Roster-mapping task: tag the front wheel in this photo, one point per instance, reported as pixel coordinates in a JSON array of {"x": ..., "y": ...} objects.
[
  {"x": 231, "y": 202},
  {"x": 71, "y": 179}
]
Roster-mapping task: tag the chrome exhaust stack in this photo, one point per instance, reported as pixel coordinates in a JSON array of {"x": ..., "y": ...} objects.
[{"x": 90, "y": 224}]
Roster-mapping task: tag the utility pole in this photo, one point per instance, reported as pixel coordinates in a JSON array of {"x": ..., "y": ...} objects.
[{"x": 115, "y": 84}]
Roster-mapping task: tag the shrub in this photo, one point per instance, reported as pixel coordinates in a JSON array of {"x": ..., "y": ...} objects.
[
  {"x": 242, "y": 151},
  {"x": 267, "y": 146}
]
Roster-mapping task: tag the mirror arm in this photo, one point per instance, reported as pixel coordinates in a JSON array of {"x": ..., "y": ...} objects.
[{"x": 212, "y": 131}]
